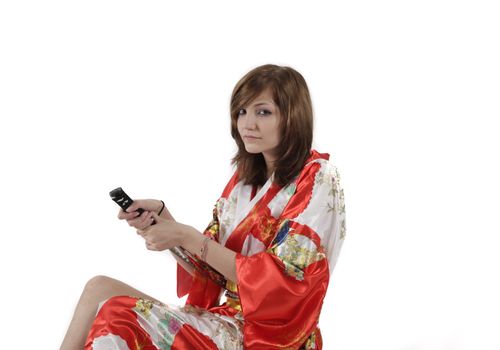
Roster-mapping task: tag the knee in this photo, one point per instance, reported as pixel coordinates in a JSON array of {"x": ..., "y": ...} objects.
[
  {"x": 98, "y": 288},
  {"x": 97, "y": 283}
]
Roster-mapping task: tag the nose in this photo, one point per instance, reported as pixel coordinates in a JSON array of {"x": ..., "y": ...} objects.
[{"x": 250, "y": 121}]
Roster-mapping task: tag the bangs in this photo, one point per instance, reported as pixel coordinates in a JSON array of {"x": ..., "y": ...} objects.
[{"x": 249, "y": 90}]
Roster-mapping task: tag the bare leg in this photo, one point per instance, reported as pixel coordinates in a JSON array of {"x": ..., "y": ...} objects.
[{"x": 97, "y": 289}]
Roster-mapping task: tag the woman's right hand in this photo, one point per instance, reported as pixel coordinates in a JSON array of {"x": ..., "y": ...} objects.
[{"x": 146, "y": 218}]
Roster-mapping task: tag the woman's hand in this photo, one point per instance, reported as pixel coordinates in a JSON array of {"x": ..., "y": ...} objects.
[
  {"x": 165, "y": 234},
  {"x": 146, "y": 218}
]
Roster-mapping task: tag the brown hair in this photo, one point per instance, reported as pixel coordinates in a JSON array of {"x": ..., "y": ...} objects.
[{"x": 291, "y": 95}]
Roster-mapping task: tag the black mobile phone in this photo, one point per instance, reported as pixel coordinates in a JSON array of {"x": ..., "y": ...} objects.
[{"x": 122, "y": 199}]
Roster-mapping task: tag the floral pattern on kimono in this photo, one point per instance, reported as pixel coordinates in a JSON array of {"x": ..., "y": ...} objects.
[
  {"x": 287, "y": 242},
  {"x": 282, "y": 288}
]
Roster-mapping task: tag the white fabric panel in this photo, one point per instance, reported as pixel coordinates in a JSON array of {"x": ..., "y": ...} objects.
[
  {"x": 325, "y": 213},
  {"x": 278, "y": 203},
  {"x": 109, "y": 341},
  {"x": 252, "y": 246},
  {"x": 224, "y": 331},
  {"x": 243, "y": 205}
]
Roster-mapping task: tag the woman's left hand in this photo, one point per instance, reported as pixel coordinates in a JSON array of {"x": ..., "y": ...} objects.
[{"x": 165, "y": 234}]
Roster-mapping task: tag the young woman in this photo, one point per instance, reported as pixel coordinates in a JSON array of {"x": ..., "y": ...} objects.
[{"x": 274, "y": 239}]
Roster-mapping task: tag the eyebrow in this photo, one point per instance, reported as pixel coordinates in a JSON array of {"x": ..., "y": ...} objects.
[{"x": 263, "y": 103}]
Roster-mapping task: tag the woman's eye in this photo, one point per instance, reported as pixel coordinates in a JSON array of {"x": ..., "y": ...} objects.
[
  {"x": 258, "y": 112},
  {"x": 263, "y": 112}
]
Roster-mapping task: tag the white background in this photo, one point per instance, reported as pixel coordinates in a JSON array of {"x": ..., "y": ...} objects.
[{"x": 100, "y": 94}]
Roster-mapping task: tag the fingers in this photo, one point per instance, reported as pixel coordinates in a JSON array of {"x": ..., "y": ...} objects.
[
  {"x": 143, "y": 221},
  {"x": 123, "y": 215},
  {"x": 150, "y": 246},
  {"x": 147, "y": 220}
]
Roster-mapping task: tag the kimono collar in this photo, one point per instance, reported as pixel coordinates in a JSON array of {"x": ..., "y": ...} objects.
[
  {"x": 313, "y": 155},
  {"x": 316, "y": 155}
]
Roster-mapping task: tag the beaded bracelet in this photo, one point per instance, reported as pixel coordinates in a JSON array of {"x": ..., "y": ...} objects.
[{"x": 162, "y": 206}]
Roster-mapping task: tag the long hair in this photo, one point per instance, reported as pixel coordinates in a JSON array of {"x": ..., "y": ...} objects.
[{"x": 291, "y": 95}]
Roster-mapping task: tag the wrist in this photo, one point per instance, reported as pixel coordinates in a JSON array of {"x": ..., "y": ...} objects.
[
  {"x": 186, "y": 235},
  {"x": 160, "y": 207},
  {"x": 191, "y": 239}
]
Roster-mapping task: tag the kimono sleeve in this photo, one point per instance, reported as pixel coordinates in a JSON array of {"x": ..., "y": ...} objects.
[{"x": 282, "y": 289}]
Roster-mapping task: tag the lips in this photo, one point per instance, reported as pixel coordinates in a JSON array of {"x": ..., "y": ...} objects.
[{"x": 250, "y": 137}]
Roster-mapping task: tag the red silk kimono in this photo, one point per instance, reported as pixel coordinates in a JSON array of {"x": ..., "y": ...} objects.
[{"x": 287, "y": 241}]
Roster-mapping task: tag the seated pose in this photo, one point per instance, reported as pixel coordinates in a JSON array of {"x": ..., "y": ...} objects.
[{"x": 270, "y": 248}]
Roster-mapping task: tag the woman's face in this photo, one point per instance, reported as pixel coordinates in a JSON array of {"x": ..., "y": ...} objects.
[{"x": 260, "y": 119}]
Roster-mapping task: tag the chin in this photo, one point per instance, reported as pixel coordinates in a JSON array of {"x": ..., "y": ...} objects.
[{"x": 253, "y": 150}]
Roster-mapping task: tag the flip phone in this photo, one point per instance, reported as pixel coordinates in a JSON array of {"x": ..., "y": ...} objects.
[{"x": 122, "y": 199}]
